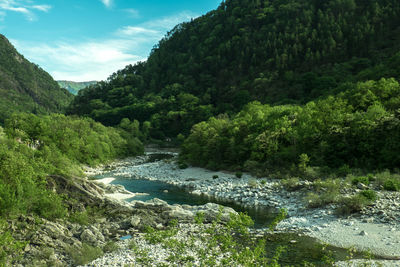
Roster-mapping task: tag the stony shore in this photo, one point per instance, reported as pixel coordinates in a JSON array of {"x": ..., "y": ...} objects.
[{"x": 375, "y": 229}]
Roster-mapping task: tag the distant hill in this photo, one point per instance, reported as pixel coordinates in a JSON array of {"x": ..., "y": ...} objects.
[
  {"x": 276, "y": 52},
  {"x": 24, "y": 86},
  {"x": 74, "y": 87}
]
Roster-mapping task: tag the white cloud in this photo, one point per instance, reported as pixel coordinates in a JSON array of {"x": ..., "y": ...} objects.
[
  {"x": 44, "y": 8},
  {"x": 107, "y": 3},
  {"x": 24, "y": 7},
  {"x": 80, "y": 61},
  {"x": 133, "y": 13},
  {"x": 133, "y": 30},
  {"x": 98, "y": 59}
]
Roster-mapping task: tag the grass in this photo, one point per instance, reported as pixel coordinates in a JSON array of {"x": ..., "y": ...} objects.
[{"x": 85, "y": 255}]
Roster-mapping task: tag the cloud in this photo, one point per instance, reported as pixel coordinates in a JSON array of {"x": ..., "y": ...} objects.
[
  {"x": 133, "y": 30},
  {"x": 97, "y": 59},
  {"x": 44, "y": 8},
  {"x": 133, "y": 13},
  {"x": 21, "y": 6},
  {"x": 107, "y": 3},
  {"x": 91, "y": 60}
]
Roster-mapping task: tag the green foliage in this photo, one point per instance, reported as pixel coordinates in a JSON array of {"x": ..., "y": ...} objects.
[
  {"x": 349, "y": 205},
  {"x": 79, "y": 217},
  {"x": 280, "y": 217},
  {"x": 291, "y": 184},
  {"x": 9, "y": 248},
  {"x": 84, "y": 255},
  {"x": 110, "y": 246},
  {"x": 388, "y": 181},
  {"x": 238, "y": 174},
  {"x": 25, "y": 87},
  {"x": 361, "y": 179},
  {"x": 303, "y": 162},
  {"x": 182, "y": 165},
  {"x": 391, "y": 185},
  {"x": 279, "y": 52},
  {"x": 35, "y": 146},
  {"x": 77, "y": 140},
  {"x": 325, "y": 192},
  {"x": 369, "y": 194},
  {"x": 327, "y": 132}
]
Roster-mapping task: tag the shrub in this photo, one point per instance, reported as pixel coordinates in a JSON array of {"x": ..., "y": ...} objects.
[
  {"x": 215, "y": 176},
  {"x": 291, "y": 184},
  {"x": 360, "y": 179},
  {"x": 85, "y": 255},
  {"x": 182, "y": 165},
  {"x": 349, "y": 205},
  {"x": 369, "y": 194},
  {"x": 391, "y": 185},
  {"x": 110, "y": 247},
  {"x": 9, "y": 248},
  {"x": 253, "y": 183},
  {"x": 239, "y": 174},
  {"x": 79, "y": 217},
  {"x": 314, "y": 200}
]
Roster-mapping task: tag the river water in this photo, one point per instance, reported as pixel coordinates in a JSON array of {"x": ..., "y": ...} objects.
[{"x": 299, "y": 248}]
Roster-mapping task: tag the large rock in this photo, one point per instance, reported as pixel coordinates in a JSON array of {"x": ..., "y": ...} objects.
[{"x": 79, "y": 189}]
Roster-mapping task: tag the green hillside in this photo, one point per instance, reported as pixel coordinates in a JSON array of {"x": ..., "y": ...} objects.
[
  {"x": 276, "y": 52},
  {"x": 74, "y": 87},
  {"x": 24, "y": 86}
]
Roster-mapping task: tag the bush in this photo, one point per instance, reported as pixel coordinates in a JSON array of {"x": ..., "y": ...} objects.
[
  {"x": 369, "y": 194},
  {"x": 360, "y": 179},
  {"x": 110, "y": 247},
  {"x": 85, "y": 255},
  {"x": 291, "y": 184},
  {"x": 215, "y": 176},
  {"x": 391, "y": 185},
  {"x": 349, "y": 205},
  {"x": 239, "y": 174},
  {"x": 252, "y": 183},
  {"x": 9, "y": 248},
  {"x": 182, "y": 165}
]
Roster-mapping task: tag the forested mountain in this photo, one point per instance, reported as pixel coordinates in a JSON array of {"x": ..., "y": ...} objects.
[
  {"x": 277, "y": 52},
  {"x": 74, "y": 87},
  {"x": 24, "y": 86}
]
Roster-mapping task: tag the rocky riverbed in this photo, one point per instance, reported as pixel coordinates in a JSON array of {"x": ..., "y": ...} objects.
[{"x": 375, "y": 229}]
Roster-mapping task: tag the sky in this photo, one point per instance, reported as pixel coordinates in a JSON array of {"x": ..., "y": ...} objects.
[{"x": 86, "y": 40}]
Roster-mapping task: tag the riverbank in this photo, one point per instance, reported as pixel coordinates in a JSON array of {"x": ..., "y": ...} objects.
[{"x": 367, "y": 231}]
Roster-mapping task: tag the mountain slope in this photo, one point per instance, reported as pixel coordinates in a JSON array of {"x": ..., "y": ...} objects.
[
  {"x": 75, "y": 87},
  {"x": 24, "y": 86},
  {"x": 273, "y": 51}
]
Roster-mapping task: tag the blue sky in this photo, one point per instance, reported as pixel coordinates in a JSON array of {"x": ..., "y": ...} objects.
[{"x": 82, "y": 40}]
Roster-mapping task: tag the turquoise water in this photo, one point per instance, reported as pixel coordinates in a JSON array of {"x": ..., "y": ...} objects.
[
  {"x": 174, "y": 195},
  {"x": 298, "y": 249}
]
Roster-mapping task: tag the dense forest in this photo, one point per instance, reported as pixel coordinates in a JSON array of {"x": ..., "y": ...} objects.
[
  {"x": 276, "y": 52},
  {"x": 358, "y": 128},
  {"x": 24, "y": 86}
]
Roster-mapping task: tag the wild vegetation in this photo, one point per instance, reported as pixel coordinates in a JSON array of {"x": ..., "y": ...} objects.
[
  {"x": 25, "y": 87},
  {"x": 33, "y": 147},
  {"x": 271, "y": 51},
  {"x": 358, "y": 128}
]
